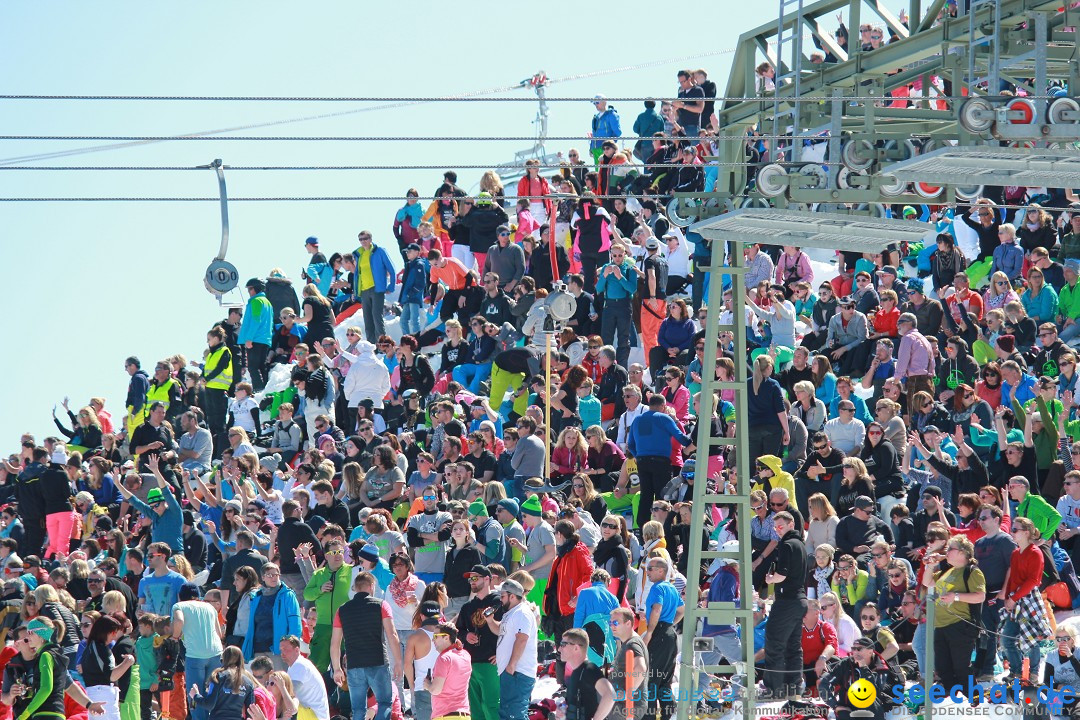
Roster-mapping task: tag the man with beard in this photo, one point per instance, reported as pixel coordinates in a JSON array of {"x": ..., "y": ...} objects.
[
  {"x": 515, "y": 652},
  {"x": 480, "y": 641}
]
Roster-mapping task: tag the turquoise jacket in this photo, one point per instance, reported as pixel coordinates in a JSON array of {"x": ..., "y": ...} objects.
[
  {"x": 613, "y": 288},
  {"x": 286, "y": 620},
  {"x": 258, "y": 323}
]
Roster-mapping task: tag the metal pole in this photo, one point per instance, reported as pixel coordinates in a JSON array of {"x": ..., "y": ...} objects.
[
  {"x": 928, "y": 673},
  {"x": 547, "y": 404}
]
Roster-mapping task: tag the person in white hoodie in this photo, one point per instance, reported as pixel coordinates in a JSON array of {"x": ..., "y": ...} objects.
[{"x": 368, "y": 379}]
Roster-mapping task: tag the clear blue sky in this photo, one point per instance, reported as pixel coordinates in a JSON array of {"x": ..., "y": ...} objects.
[{"x": 90, "y": 284}]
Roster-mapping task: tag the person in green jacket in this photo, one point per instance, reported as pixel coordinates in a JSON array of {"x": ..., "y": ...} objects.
[
  {"x": 1033, "y": 507},
  {"x": 1041, "y": 429},
  {"x": 328, "y": 589}
]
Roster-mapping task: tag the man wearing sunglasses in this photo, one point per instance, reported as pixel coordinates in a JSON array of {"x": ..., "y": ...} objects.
[
  {"x": 328, "y": 588},
  {"x": 589, "y": 695},
  {"x": 504, "y": 259},
  {"x": 480, "y": 640},
  {"x": 622, "y": 628}
]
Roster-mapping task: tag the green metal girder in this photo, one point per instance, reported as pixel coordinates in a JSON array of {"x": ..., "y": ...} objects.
[{"x": 925, "y": 45}]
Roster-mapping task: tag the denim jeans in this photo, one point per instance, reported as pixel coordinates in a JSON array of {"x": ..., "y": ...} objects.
[
  {"x": 1069, "y": 333},
  {"x": 471, "y": 375},
  {"x": 617, "y": 319},
  {"x": 1011, "y": 649},
  {"x": 515, "y": 487},
  {"x": 403, "y": 638},
  {"x": 411, "y": 314},
  {"x": 918, "y": 645},
  {"x": 197, "y": 670},
  {"x": 515, "y": 691},
  {"x": 373, "y": 304},
  {"x": 421, "y": 705},
  {"x": 378, "y": 680}
]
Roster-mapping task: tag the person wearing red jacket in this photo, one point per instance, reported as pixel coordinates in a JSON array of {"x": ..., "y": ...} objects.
[
  {"x": 536, "y": 189},
  {"x": 572, "y": 568},
  {"x": 1023, "y": 601}
]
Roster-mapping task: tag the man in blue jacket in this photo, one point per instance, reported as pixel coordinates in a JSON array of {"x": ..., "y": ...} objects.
[
  {"x": 257, "y": 331},
  {"x": 649, "y": 442},
  {"x": 605, "y": 125},
  {"x": 274, "y": 613},
  {"x": 375, "y": 279}
]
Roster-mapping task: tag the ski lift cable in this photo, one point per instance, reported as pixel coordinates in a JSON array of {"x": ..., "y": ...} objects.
[
  {"x": 387, "y": 106},
  {"x": 276, "y": 168},
  {"x": 375, "y": 198}
]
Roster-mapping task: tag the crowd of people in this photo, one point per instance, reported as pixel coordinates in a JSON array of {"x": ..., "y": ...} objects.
[{"x": 353, "y": 501}]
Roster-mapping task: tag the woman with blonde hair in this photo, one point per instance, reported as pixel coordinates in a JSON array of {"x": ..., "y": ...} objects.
[
  {"x": 114, "y": 602},
  {"x": 490, "y": 182},
  {"x": 582, "y": 488},
  {"x": 492, "y": 494},
  {"x": 281, "y": 687},
  {"x": 180, "y": 564},
  {"x": 570, "y": 455},
  {"x": 847, "y": 630},
  {"x": 85, "y": 432},
  {"x": 823, "y": 522},
  {"x": 856, "y": 481},
  {"x": 999, "y": 292},
  {"x": 318, "y": 316},
  {"x": 768, "y": 430},
  {"x": 959, "y": 587}
]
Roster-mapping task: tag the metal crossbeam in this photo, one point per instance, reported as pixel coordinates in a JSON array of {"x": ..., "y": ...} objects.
[{"x": 966, "y": 166}]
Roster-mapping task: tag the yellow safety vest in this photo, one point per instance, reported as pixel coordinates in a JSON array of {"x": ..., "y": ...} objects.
[
  {"x": 224, "y": 379},
  {"x": 160, "y": 393}
]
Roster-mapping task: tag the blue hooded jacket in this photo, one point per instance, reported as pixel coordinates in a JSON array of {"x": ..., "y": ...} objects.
[
  {"x": 258, "y": 323},
  {"x": 286, "y": 620},
  {"x": 414, "y": 280},
  {"x": 382, "y": 270}
]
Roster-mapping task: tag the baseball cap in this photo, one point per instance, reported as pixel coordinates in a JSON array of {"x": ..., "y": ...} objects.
[
  {"x": 312, "y": 241},
  {"x": 888, "y": 270},
  {"x": 864, "y": 502},
  {"x": 847, "y": 301},
  {"x": 412, "y": 246},
  {"x": 652, "y": 244},
  {"x": 513, "y": 587},
  {"x": 478, "y": 571},
  {"x": 862, "y": 642}
]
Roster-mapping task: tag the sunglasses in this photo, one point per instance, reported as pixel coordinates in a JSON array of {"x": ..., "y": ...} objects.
[
  {"x": 777, "y": 504},
  {"x": 868, "y": 617},
  {"x": 440, "y": 635},
  {"x": 334, "y": 552},
  {"x": 896, "y": 576},
  {"x": 609, "y": 526}
]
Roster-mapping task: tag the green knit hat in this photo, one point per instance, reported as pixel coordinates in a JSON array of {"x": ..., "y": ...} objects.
[
  {"x": 531, "y": 506},
  {"x": 478, "y": 509}
]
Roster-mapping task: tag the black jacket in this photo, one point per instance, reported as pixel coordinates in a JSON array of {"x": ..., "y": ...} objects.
[
  {"x": 292, "y": 534},
  {"x": 55, "y": 489},
  {"x": 540, "y": 264},
  {"x": 459, "y": 562},
  {"x": 483, "y": 223}
]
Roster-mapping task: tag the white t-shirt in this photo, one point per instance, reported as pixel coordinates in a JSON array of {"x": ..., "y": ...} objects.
[
  {"x": 242, "y": 413},
  {"x": 403, "y": 615},
  {"x": 1070, "y": 511},
  {"x": 309, "y": 686},
  {"x": 518, "y": 620}
]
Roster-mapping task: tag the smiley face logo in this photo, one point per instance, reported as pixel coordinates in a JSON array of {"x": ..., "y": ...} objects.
[{"x": 862, "y": 694}]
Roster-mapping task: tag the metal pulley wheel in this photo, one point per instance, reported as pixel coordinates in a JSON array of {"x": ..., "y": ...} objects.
[
  {"x": 891, "y": 187},
  {"x": 819, "y": 176},
  {"x": 683, "y": 212},
  {"x": 752, "y": 203},
  {"x": 1059, "y": 107},
  {"x": 1025, "y": 108},
  {"x": 769, "y": 180},
  {"x": 976, "y": 115},
  {"x": 858, "y": 154},
  {"x": 831, "y": 208},
  {"x": 844, "y": 175},
  {"x": 927, "y": 190},
  {"x": 968, "y": 193}
]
